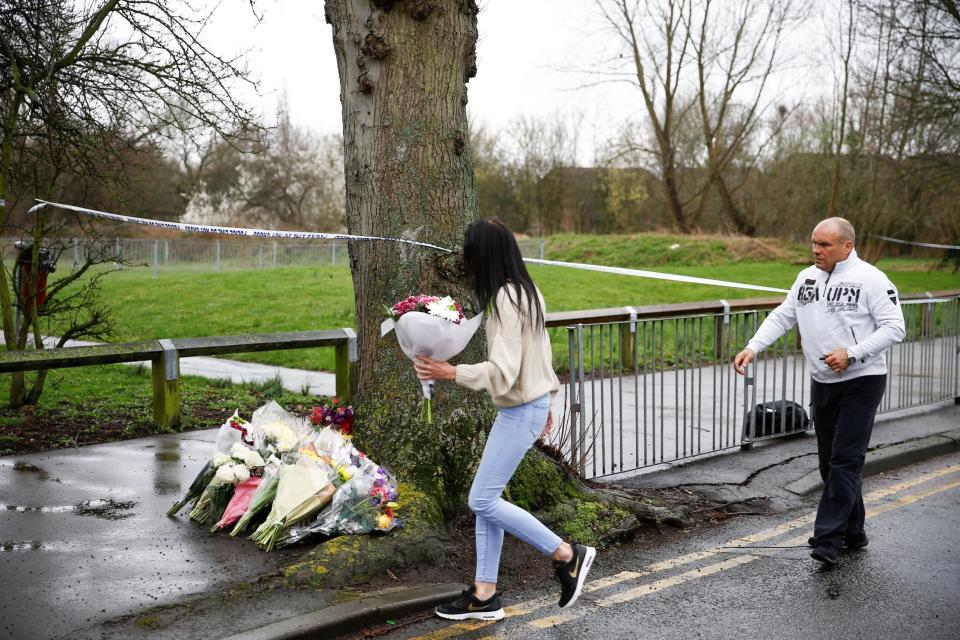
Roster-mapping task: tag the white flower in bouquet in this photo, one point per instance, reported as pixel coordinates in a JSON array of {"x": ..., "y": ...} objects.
[
  {"x": 220, "y": 459},
  {"x": 231, "y": 473},
  {"x": 279, "y": 438},
  {"x": 249, "y": 457},
  {"x": 445, "y": 308}
]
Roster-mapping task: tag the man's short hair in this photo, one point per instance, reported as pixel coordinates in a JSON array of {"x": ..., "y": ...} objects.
[{"x": 843, "y": 227}]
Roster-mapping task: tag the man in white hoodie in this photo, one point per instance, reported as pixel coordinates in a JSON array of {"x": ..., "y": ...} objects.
[{"x": 848, "y": 315}]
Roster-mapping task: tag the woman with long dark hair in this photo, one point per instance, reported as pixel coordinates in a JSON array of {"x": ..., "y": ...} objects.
[{"x": 519, "y": 377}]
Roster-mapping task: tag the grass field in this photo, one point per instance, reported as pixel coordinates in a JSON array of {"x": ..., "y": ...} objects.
[{"x": 305, "y": 298}]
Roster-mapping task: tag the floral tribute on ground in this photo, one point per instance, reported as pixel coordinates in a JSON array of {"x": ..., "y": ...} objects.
[
  {"x": 287, "y": 479},
  {"x": 430, "y": 326}
]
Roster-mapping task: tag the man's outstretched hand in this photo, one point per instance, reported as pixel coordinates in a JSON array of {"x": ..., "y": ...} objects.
[{"x": 743, "y": 358}]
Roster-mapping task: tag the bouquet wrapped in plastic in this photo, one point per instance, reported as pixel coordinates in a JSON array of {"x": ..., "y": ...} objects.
[
  {"x": 302, "y": 489},
  {"x": 430, "y": 326},
  {"x": 231, "y": 470},
  {"x": 230, "y": 433}
]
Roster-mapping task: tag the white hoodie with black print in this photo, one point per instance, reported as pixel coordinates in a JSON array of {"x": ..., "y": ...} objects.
[{"x": 854, "y": 307}]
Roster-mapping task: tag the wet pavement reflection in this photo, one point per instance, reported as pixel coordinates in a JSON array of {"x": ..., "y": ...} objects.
[{"x": 83, "y": 535}]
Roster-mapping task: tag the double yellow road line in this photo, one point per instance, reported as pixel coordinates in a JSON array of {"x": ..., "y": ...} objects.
[{"x": 646, "y": 588}]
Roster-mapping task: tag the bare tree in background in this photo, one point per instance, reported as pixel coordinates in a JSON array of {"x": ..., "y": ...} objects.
[
  {"x": 79, "y": 82},
  {"x": 654, "y": 36},
  {"x": 846, "y": 39},
  {"x": 736, "y": 46},
  {"x": 540, "y": 147}
]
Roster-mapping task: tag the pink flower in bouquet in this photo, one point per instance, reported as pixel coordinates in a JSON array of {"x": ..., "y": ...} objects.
[{"x": 242, "y": 496}]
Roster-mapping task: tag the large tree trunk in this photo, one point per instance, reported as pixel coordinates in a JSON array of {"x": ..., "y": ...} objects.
[{"x": 403, "y": 69}]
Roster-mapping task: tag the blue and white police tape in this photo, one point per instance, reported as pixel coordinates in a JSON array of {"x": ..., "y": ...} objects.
[
  {"x": 310, "y": 235},
  {"x": 231, "y": 231}
]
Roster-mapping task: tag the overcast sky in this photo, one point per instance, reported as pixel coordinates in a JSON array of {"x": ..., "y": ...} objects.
[{"x": 528, "y": 53}]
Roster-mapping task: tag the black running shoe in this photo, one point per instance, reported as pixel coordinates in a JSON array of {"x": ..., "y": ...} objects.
[
  {"x": 856, "y": 541},
  {"x": 827, "y": 555},
  {"x": 573, "y": 574},
  {"x": 467, "y": 607},
  {"x": 851, "y": 542}
]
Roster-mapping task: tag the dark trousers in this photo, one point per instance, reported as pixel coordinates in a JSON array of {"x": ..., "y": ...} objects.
[{"x": 843, "y": 413}]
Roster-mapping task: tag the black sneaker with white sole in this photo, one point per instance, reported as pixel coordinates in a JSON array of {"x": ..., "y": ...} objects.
[
  {"x": 468, "y": 607},
  {"x": 573, "y": 574}
]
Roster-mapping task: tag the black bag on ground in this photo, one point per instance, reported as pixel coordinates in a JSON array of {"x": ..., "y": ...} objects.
[{"x": 773, "y": 418}]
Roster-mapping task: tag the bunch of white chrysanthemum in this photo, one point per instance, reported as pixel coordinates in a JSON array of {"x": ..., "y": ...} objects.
[
  {"x": 279, "y": 438},
  {"x": 231, "y": 473},
  {"x": 445, "y": 308},
  {"x": 249, "y": 457}
]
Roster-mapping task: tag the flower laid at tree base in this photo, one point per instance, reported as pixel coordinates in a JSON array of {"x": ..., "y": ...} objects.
[
  {"x": 430, "y": 326},
  {"x": 337, "y": 415},
  {"x": 303, "y": 470}
]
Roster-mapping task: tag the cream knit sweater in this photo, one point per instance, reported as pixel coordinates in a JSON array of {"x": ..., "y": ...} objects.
[{"x": 519, "y": 366}]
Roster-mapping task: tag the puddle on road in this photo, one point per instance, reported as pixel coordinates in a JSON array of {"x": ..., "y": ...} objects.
[
  {"x": 106, "y": 509},
  {"x": 26, "y": 467},
  {"x": 167, "y": 456}
]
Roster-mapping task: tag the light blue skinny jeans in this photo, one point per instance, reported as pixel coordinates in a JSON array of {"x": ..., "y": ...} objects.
[{"x": 514, "y": 432}]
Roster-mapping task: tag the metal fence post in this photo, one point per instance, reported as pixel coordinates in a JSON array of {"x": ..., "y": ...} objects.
[
  {"x": 581, "y": 433},
  {"x": 218, "y": 255},
  {"x": 573, "y": 399},
  {"x": 156, "y": 257},
  {"x": 274, "y": 254},
  {"x": 260, "y": 256},
  {"x": 750, "y": 396}
]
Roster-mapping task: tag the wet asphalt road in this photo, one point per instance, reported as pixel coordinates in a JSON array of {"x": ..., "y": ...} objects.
[
  {"x": 905, "y": 584},
  {"x": 64, "y": 562}
]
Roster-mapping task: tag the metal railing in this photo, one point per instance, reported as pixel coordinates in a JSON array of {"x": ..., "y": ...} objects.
[{"x": 658, "y": 385}]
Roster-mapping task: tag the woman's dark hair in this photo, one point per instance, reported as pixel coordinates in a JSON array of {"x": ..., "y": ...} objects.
[{"x": 493, "y": 259}]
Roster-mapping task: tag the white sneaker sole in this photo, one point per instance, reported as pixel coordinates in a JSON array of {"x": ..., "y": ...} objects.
[
  {"x": 582, "y": 578},
  {"x": 477, "y": 615}
]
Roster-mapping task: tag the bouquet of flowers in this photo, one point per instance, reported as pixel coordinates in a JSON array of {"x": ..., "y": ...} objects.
[
  {"x": 302, "y": 489},
  {"x": 430, "y": 326},
  {"x": 312, "y": 482},
  {"x": 364, "y": 504},
  {"x": 337, "y": 414},
  {"x": 230, "y": 471},
  {"x": 231, "y": 432}
]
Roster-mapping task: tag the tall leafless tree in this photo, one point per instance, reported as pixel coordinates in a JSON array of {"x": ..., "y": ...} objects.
[
  {"x": 656, "y": 41},
  {"x": 81, "y": 81}
]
